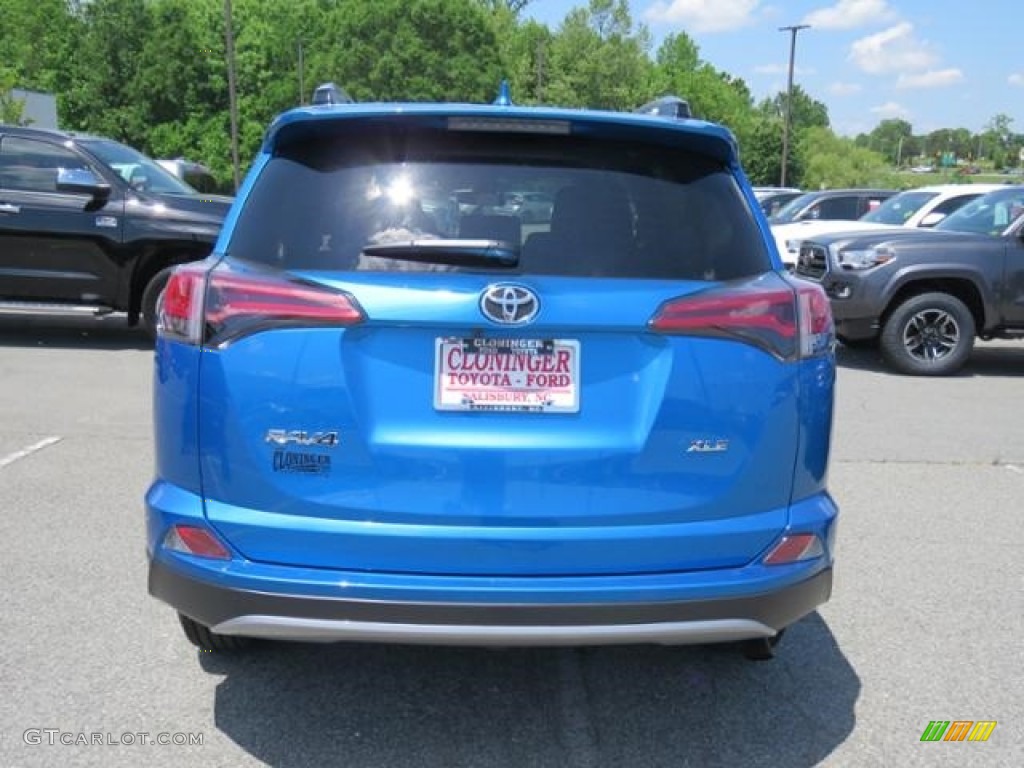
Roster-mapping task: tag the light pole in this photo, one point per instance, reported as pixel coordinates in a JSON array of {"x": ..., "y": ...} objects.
[
  {"x": 229, "y": 40},
  {"x": 789, "y": 96},
  {"x": 302, "y": 76}
]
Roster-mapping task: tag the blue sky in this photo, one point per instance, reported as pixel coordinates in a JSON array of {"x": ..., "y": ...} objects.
[{"x": 936, "y": 63}]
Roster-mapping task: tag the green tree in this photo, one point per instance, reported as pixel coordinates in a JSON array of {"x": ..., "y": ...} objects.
[
  {"x": 833, "y": 161},
  {"x": 34, "y": 35},
  {"x": 893, "y": 138},
  {"x": 412, "y": 50},
  {"x": 514, "y": 6},
  {"x": 522, "y": 53},
  {"x": 997, "y": 140},
  {"x": 807, "y": 112},
  {"x": 712, "y": 95},
  {"x": 12, "y": 109},
  {"x": 959, "y": 141},
  {"x": 107, "y": 58},
  {"x": 761, "y": 154},
  {"x": 186, "y": 105},
  {"x": 598, "y": 60}
]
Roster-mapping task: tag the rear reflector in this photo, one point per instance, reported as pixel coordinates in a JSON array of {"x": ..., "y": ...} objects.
[
  {"x": 785, "y": 320},
  {"x": 217, "y": 306},
  {"x": 793, "y": 549},
  {"x": 193, "y": 540}
]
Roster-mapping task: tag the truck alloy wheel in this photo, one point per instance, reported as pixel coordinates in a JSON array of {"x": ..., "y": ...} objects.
[{"x": 928, "y": 335}]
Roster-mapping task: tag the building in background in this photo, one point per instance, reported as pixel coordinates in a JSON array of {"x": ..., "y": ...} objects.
[{"x": 37, "y": 109}]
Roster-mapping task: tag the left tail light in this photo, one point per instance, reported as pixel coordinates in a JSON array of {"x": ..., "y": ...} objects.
[
  {"x": 180, "y": 311},
  {"x": 214, "y": 306}
]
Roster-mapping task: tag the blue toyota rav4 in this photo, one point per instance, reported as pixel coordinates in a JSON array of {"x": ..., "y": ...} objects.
[{"x": 388, "y": 412}]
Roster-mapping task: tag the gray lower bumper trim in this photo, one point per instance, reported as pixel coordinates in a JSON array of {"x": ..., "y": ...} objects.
[
  {"x": 233, "y": 611},
  {"x": 327, "y": 631}
]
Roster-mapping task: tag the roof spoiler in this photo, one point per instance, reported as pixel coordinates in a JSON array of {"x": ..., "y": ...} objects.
[{"x": 667, "y": 106}]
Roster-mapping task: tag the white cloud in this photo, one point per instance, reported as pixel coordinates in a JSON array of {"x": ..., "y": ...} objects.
[
  {"x": 892, "y": 50},
  {"x": 1017, "y": 78},
  {"x": 703, "y": 15},
  {"x": 845, "y": 89},
  {"x": 936, "y": 78},
  {"x": 850, "y": 14},
  {"x": 891, "y": 109},
  {"x": 780, "y": 69}
]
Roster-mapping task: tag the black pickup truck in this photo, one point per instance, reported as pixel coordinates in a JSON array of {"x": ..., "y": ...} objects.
[
  {"x": 924, "y": 295},
  {"x": 91, "y": 226}
]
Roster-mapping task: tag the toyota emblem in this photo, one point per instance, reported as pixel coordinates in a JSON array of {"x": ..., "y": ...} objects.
[{"x": 509, "y": 304}]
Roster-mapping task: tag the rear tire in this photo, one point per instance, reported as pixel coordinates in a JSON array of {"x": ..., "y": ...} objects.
[
  {"x": 150, "y": 298},
  {"x": 761, "y": 648},
  {"x": 205, "y": 640},
  {"x": 931, "y": 334}
]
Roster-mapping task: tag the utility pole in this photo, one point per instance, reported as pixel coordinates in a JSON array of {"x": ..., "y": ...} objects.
[
  {"x": 789, "y": 96},
  {"x": 538, "y": 94},
  {"x": 302, "y": 79},
  {"x": 229, "y": 39}
]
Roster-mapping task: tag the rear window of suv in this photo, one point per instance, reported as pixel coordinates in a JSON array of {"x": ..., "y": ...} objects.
[{"x": 619, "y": 209}]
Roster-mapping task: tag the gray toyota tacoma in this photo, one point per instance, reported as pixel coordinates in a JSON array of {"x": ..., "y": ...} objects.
[{"x": 923, "y": 296}]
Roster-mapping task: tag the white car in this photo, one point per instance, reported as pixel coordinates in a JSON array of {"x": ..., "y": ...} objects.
[{"x": 920, "y": 207}]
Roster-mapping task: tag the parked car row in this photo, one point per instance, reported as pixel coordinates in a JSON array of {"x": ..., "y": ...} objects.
[
  {"x": 920, "y": 207},
  {"x": 773, "y": 199}
]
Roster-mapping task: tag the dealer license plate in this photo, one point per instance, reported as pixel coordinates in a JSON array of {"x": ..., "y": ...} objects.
[{"x": 500, "y": 374}]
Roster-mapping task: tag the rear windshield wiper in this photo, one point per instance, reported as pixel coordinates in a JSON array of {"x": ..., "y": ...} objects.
[{"x": 462, "y": 253}]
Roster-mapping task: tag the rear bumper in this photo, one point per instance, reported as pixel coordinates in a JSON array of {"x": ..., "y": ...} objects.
[{"x": 234, "y": 611}]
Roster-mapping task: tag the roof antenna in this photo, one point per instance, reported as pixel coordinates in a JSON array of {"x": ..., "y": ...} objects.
[{"x": 504, "y": 97}]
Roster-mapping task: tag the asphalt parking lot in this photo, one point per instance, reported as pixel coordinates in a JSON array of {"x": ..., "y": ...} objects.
[{"x": 925, "y": 623}]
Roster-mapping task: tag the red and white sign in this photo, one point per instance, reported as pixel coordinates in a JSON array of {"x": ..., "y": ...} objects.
[{"x": 499, "y": 374}]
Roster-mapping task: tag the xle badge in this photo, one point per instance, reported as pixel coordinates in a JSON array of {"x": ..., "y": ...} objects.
[{"x": 708, "y": 446}]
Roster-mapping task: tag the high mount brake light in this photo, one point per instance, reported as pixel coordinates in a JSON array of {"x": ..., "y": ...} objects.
[
  {"x": 218, "y": 306},
  {"x": 789, "y": 322}
]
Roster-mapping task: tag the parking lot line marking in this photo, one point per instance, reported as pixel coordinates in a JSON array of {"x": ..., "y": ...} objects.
[
  {"x": 13, "y": 457},
  {"x": 1014, "y": 468}
]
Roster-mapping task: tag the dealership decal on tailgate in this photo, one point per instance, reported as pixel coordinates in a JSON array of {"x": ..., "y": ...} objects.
[{"x": 500, "y": 374}]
